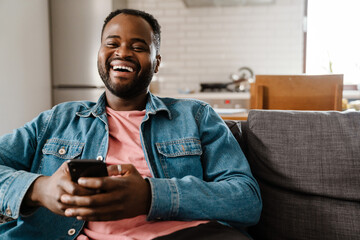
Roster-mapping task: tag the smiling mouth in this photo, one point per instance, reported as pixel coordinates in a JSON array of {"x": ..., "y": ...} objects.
[{"x": 123, "y": 69}]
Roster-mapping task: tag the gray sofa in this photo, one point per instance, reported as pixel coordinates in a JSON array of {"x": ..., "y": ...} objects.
[{"x": 308, "y": 168}]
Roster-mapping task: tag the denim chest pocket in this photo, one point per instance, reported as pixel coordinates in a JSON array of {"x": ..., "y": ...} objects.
[
  {"x": 65, "y": 149},
  {"x": 56, "y": 151},
  {"x": 181, "y": 157}
]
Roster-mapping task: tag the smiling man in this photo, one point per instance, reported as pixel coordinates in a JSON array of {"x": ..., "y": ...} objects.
[
  {"x": 128, "y": 58},
  {"x": 175, "y": 170}
]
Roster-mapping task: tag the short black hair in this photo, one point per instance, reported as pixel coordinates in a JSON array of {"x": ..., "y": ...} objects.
[{"x": 146, "y": 16}]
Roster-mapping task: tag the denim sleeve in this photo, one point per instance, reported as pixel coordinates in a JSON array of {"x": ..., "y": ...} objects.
[
  {"x": 228, "y": 192},
  {"x": 17, "y": 153}
]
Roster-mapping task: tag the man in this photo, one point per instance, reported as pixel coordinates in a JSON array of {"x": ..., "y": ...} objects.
[{"x": 174, "y": 166}]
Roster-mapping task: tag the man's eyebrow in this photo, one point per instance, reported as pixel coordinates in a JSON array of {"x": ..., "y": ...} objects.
[
  {"x": 113, "y": 36},
  {"x": 139, "y": 40}
]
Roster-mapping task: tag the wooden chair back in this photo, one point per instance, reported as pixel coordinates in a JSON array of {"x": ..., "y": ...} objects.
[{"x": 297, "y": 92}]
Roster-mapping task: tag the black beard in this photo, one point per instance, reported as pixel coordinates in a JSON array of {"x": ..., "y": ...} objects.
[{"x": 129, "y": 91}]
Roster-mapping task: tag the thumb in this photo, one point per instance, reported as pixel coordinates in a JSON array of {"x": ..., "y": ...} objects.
[{"x": 64, "y": 168}]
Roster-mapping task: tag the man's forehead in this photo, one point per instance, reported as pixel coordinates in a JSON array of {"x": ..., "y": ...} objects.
[{"x": 129, "y": 24}]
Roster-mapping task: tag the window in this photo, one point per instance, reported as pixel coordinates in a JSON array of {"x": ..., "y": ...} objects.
[{"x": 333, "y": 38}]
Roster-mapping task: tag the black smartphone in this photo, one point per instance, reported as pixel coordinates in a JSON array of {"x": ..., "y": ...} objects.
[{"x": 86, "y": 168}]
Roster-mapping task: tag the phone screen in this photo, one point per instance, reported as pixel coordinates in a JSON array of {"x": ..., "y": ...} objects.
[{"x": 86, "y": 168}]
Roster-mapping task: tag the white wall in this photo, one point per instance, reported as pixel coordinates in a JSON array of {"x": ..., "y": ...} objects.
[
  {"x": 24, "y": 62},
  {"x": 207, "y": 44}
]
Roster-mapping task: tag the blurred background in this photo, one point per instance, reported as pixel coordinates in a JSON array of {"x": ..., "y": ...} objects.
[{"x": 48, "y": 48}]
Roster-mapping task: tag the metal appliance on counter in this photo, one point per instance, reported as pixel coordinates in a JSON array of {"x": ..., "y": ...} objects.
[
  {"x": 240, "y": 82},
  {"x": 229, "y": 95}
]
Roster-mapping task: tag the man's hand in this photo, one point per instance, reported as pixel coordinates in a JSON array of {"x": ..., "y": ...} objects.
[
  {"x": 47, "y": 191},
  {"x": 124, "y": 196}
]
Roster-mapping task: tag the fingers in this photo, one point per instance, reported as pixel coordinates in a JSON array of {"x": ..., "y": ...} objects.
[
  {"x": 96, "y": 185},
  {"x": 75, "y": 189},
  {"x": 121, "y": 197},
  {"x": 88, "y": 201},
  {"x": 91, "y": 185},
  {"x": 109, "y": 189},
  {"x": 64, "y": 167},
  {"x": 114, "y": 170},
  {"x": 130, "y": 201},
  {"x": 121, "y": 169},
  {"x": 48, "y": 190},
  {"x": 69, "y": 186},
  {"x": 104, "y": 213},
  {"x": 104, "y": 184},
  {"x": 108, "y": 183},
  {"x": 93, "y": 208}
]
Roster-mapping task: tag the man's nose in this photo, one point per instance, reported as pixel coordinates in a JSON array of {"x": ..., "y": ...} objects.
[{"x": 123, "y": 51}]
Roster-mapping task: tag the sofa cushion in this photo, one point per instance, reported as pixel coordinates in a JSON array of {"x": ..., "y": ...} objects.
[{"x": 308, "y": 168}]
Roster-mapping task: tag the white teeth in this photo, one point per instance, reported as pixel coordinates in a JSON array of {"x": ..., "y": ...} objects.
[{"x": 130, "y": 69}]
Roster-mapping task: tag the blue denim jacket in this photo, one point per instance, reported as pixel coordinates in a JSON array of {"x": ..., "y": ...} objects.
[{"x": 198, "y": 168}]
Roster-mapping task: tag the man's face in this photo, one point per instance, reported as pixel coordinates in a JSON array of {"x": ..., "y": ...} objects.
[{"x": 127, "y": 57}]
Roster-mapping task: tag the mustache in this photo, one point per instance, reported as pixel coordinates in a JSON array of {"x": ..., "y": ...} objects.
[{"x": 126, "y": 59}]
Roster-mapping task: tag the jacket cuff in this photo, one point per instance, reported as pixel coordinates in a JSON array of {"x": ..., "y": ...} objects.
[
  {"x": 165, "y": 199},
  {"x": 17, "y": 186}
]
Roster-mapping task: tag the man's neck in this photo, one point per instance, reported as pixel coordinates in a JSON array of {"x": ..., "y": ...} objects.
[{"x": 121, "y": 104}]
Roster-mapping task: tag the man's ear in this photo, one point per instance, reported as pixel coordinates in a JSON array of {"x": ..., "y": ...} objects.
[{"x": 158, "y": 61}]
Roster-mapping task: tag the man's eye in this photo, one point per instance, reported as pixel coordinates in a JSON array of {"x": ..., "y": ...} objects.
[
  {"x": 111, "y": 45},
  {"x": 138, "y": 49}
]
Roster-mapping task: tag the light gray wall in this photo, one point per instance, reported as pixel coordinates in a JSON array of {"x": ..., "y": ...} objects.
[
  {"x": 24, "y": 62},
  {"x": 76, "y": 30}
]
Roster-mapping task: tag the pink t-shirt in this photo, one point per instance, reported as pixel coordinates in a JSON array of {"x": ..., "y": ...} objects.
[{"x": 125, "y": 148}]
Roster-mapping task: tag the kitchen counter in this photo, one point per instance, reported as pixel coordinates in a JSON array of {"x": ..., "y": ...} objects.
[
  {"x": 235, "y": 105},
  {"x": 351, "y": 94},
  {"x": 228, "y": 100},
  {"x": 229, "y": 105},
  {"x": 348, "y": 94},
  {"x": 210, "y": 95}
]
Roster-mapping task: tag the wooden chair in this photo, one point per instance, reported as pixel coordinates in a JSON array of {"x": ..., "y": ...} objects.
[{"x": 297, "y": 92}]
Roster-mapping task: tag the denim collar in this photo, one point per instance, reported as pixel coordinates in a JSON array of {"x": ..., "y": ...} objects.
[{"x": 153, "y": 105}]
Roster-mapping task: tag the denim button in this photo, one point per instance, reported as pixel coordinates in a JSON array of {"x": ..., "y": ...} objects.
[
  {"x": 8, "y": 211},
  {"x": 71, "y": 231},
  {"x": 62, "y": 151},
  {"x": 100, "y": 158}
]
